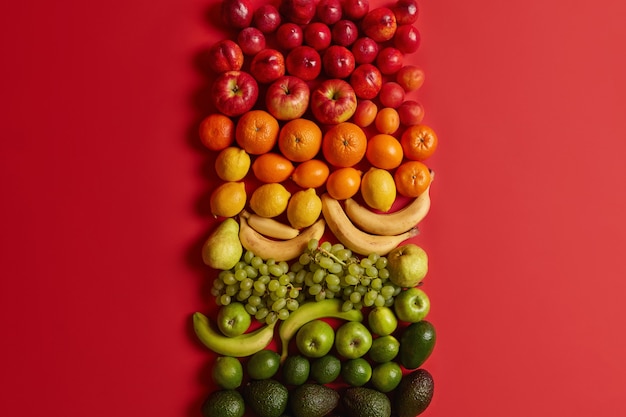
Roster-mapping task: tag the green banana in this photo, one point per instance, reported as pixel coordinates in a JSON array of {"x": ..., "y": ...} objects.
[
  {"x": 313, "y": 310},
  {"x": 239, "y": 346}
]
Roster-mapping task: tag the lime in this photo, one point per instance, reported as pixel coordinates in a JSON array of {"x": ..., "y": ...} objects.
[
  {"x": 304, "y": 208},
  {"x": 224, "y": 403},
  {"x": 227, "y": 372},
  {"x": 296, "y": 370},
  {"x": 384, "y": 349},
  {"x": 386, "y": 376},
  {"x": 263, "y": 365},
  {"x": 325, "y": 369},
  {"x": 356, "y": 372}
]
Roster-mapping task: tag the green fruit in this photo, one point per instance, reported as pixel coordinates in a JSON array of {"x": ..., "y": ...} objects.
[
  {"x": 225, "y": 403},
  {"x": 414, "y": 393},
  {"x": 296, "y": 370},
  {"x": 222, "y": 250},
  {"x": 384, "y": 349},
  {"x": 263, "y": 365},
  {"x": 356, "y": 372},
  {"x": 382, "y": 321},
  {"x": 313, "y": 400},
  {"x": 386, "y": 376},
  {"x": 326, "y": 369},
  {"x": 227, "y": 372},
  {"x": 366, "y": 402},
  {"x": 266, "y": 397},
  {"x": 416, "y": 344}
]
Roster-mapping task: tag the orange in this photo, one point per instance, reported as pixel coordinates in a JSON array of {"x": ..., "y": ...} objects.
[
  {"x": 343, "y": 183},
  {"x": 257, "y": 131},
  {"x": 365, "y": 113},
  {"x": 384, "y": 151},
  {"x": 217, "y": 131},
  {"x": 419, "y": 142},
  {"x": 344, "y": 145},
  {"x": 300, "y": 140},
  {"x": 412, "y": 178},
  {"x": 272, "y": 167},
  {"x": 387, "y": 121},
  {"x": 311, "y": 174}
]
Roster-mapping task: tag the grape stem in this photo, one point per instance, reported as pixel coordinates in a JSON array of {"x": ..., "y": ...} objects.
[{"x": 330, "y": 255}]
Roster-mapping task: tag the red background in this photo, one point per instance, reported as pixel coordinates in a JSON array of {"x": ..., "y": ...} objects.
[{"x": 103, "y": 195}]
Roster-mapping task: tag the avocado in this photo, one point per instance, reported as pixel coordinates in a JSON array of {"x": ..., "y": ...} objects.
[
  {"x": 366, "y": 402},
  {"x": 223, "y": 403},
  {"x": 266, "y": 397},
  {"x": 416, "y": 344},
  {"x": 414, "y": 394},
  {"x": 313, "y": 400}
]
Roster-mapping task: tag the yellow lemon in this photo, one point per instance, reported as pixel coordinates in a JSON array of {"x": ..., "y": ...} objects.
[
  {"x": 269, "y": 200},
  {"x": 304, "y": 208},
  {"x": 228, "y": 199},
  {"x": 378, "y": 189},
  {"x": 232, "y": 164}
]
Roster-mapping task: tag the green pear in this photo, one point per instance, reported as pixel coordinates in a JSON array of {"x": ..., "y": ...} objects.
[
  {"x": 407, "y": 265},
  {"x": 222, "y": 250}
]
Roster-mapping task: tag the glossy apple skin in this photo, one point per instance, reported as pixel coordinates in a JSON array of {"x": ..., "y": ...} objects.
[
  {"x": 287, "y": 98},
  {"x": 299, "y": 12},
  {"x": 315, "y": 339},
  {"x": 236, "y": 14},
  {"x": 412, "y": 305},
  {"x": 233, "y": 320},
  {"x": 338, "y": 62},
  {"x": 407, "y": 39},
  {"x": 225, "y": 55},
  {"x": 406, "y": 11},
  {"x": 234, "y": 92},
  {"x": 266, "y": 18},
  {"x": 391, "y": 94},
  {"x": 367, "y": 81},
  {"x": 345, "y": 32},
  {"x": 304, "y": 62},
  {"x": 251, "y": 40},
  {"x": 288, "y": 36},
  {"x": 317, "y": 35},
  {"x": 365, "y": 50},
  {"x": 389, "y": 60},
  {"x": 333, "y": 101},
  {"x": 353, "y": 340},
  {"x": 410, "y": 77},
  {"x": 411, "y": 113},
  {"x": 267, "y": 66},
  {"x": 329, "y": 11},
  {"x": 355, "y": 9},
  {"x": 365, "y": 114},
  {"x": 379, "y": 24}
]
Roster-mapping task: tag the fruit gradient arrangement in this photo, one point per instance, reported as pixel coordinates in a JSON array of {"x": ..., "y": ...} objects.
[{"x": 321, "y": 181}]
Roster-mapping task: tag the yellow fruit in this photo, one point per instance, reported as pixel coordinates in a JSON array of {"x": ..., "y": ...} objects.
[
  {"x": 378, "y": 189},
  {"x": 232, "y": 164},
  {"x": 269, "y": 200},
  {"x": 304, "y": 208},
  {"x": 228, "y": 199}
]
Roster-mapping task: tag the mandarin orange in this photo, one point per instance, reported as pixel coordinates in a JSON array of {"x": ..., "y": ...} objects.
[
  {"x": 300, "y": 140},
  {"x": 272, "y": 167},
  {"x": 257, "y": 132},
  {"x": 217, "y": 132},
  {"x": 344, "y": 145},
  {"x": 384, "y": 151},
  {"x": 311, "y": 174}
]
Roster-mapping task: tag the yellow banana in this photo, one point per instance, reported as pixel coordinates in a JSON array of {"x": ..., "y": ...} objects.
[
  {"x": 313, "y": 310},
  {"x": 270, "y": 227},
  {"x": 238, "y": 346},
  {"x": 279, "y": 250},
  {"x": 355, "y": 239}
]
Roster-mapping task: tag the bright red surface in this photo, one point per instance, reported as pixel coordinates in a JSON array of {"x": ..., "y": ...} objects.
[{"x": 104, "y": 205}]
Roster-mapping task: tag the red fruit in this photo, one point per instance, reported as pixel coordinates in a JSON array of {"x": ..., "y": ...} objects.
[
  {"x": 304, "y": 62},
  {"x": 236, "y": 14},
  {"x": 406, "y": 11},
  {"x": 411, "y": 113},
  {"x": 407, "y": 39},
  {"x": 317, "y": 35},
  {"x": 389, "y": 60},
  {"x": 338, "y": 62},
  {"x": 234, "y": 93},
  {"x": 391, "y": 94},
  {"x": 251, "y": 40},
  {"x": 345, "y": 32},
  {"x": 266, "y": 18},
  {"x": 365, "y": 50},
  {"x": 410, "y": 77},
  {"x": 379, "y": 24},
  {"x": 300, "y": 12},
  {"x": 329, "y": 11},
  {"x": 267, "y": 66},
  {"x": 355, "y": 9},
  {"x": 367, "y": 81},
  {"x": 288, "y": 36},
  {"x": 225, "y": 55}
]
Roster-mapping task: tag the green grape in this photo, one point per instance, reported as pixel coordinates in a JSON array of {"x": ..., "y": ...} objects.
[
  {"x": 368, "y": 302},
  {"x": 294, "y": 293},
  {"x": 343, "y": 254},
  {"x": 248, "y": 256},
  {"x": 224, "y": 299},
  {"x": 371, "y": 272},
  {"x": 271, "y": 318},
  {"x": 273, "y": 285},
  {"x": 376, "y": 284},
  {"x": 320, "y": 296},
  {"x": 251, "y": 272},
  {"x": 241, "y": 274},
  {"x": 383, "y": 273},
  {"x": 218, "y": 284},
  {"x": 351, "y": 279},
  {"x": 239, "y": 265},
  {"x": 387, "y": 291},
  {"x": 284, "y": 266},
  {"x": 319, "y": 275},
  {"x": 335, "y": 268},
  {"x": 229, "y": 278},
  {"x": 365, "y": 263},
  {"x": 254, "y": 300},
  {"x": 389, "y": 302},
  {"x": 279, "y": 304},
  {"x": 299, "y": 279},
  {"x": 326, "y": 246},
  {"x": 301, "y": 297},
  {"x": 365, "y": 281},
  {"x": 259, "y": 286},
  {"x": 243, "y": 295},
  {"x": 347, "y": 305},
  {"x": 275, "y": 270},
  {"x": 308, "y": 279},
  {"x": 265, "y": 279},
  {"x": 347, "y": 291},
  {"x": 283, "y": 314},
  {"x": 296, "y": 267},
  {"x": 246, "y": 284},
  {"x": 231, "y": 289},
  {"x": 332, "y": 280},
  {"x": 313, "y": 244},
  {"x": 361, "y": 289},
  {"x": 256, "y": 262},
  {"x": 379, "y": 301},
  {"x": 271, "y": 261},
  {"x": 273, "y": 296},
  {"x": 326, "y": 263},
  {"x": 282, "y": 291},
  {"x": 252, "y": 310},
  {"x": 284, "y": 279},
  {"x": 336, "y": 248},
  {"x": 334, "y": 288},
  {"x": 257, "y": 293},
  {"x": 261, "y": 313},
  {"x": 315, "y": 289},
  {"x": 264, "y": 269},
  {"x": 381, "y": 263},
  {"x": 292, "y": 304},
  {"x": 354, "y": 269},
  {"x": 373, "y": 257},
  {"x": 215, "y": 292},
  {"x": 396, "y": 290},
  {"x": 355, "y": 297}
]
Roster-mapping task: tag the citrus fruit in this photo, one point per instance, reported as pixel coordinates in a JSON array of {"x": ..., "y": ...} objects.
[
  {"x": 227, "y": 372},
  {"x": 419, "y": 142},
  {"x": 384, "y": 151},
  {"x": 300, "y": 140},
  {"x": 325, "y": 369},
  {"x": 269, "y": 200},
  {"x": 378, "y": 189},
  {"x": 384, "y": 349},
  {"x": 343, "y": 183},
  {"x": 344, "y": 145},
  {"x": 311, "y": 174},
  {"x": 356, "y": 372},
  {"x": 365, "y": 113},
  {"x": 304, "y": 208},
  {"x": 257, "y": 132},
  {"x": 263, "y": 365},
  {"x": 217, "y": 131},
  {"x": 412, "y": 178},
  {"x": 296, "y": 370},
  {"x": 272, "y": 167},
  {"x": 386, "y": 376},
  {"x": 387, "y": 121},
  {"x": 228, "y": 199},
  {"x": 223, "y": 403},
  {"x": 232, "y": 164}
]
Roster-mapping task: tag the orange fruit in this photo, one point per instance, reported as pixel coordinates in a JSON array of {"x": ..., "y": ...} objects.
[
  {"x": 300, "y": 140},
  {"x": 419, "y": 142},
  {"x": 311, "y": 174},
  {"x": 412, "y": 178},
  {"x": 343, "y": 183},
  {"x": 344, "y": 145},
  {"x": 387, "y": 121},
  {"x": 217, "y": 131},
  {"x": 384, "y": 151},
  {"x": 272, "y": 167},
  {"x": 365, "y": 113},
  {"x": 257, "y": 132}
]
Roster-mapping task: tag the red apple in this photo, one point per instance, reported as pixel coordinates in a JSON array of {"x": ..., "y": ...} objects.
[
  {"x": 225, "y": 55},
  {"x": 287, "y": 98},
  {"x": 304, "y": 62},
  {"x": 236, "y": 14},
  {"x": 391, "y": 94},
  {"x": 367, "y": 81},
  {"x": 365, "y": 114},
  {"x": 267, "y": 66},
  {"x": 389, "y": 60},
  {"x": 317, "y": 35},
  {"x": 406, "y": 11},
  {"x": 338, "y": 62},
  {"x": 379, "y": 24},
  {"x": 333, "y": 101},
  {"x": 407, "y": 39},
  {"x": 251, "y": 40},
  {"x": 410, "y": 77},
  {"x": 345, "y": 32},
  {"x": 288, "y": 36},
  {"x": 266, "y": 18},
  {"x": 234, "y": 93},
  {"x": 300, "y": 12},
  {"x": 355, "y": 9},
  {"x": 411, "y": 113},
  {"x": 329, "y": 11},
  {"x": 365, "y": 50}
]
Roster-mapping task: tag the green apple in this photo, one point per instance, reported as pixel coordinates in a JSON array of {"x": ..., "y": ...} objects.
[
  {"x": 411, "y": 305},
  {"x": 353, "y": 340},
  {"x": 315, "y": 339},
  {"x": 233, "y": 319},
  {"x": 382, "y": 321},
  {"x": 407, "y": 265}
]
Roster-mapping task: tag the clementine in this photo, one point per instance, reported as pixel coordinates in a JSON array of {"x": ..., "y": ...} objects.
[
  {"x": 272, "y": 167},
  {"x": 419, "y": 142},
  {"x": 217, "y": 131},
  {"x": 343, "y": 183},
  {"x": 257, "y": 132},
  {"x": 344, "y": 145},
  {"x": 387, "y": 121},
  {"x": 311, "y": 174},
  {"x": 412, "y": 178},
  {"x": 300, "y": 140},
  {"x": 384, "y": 151}
]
